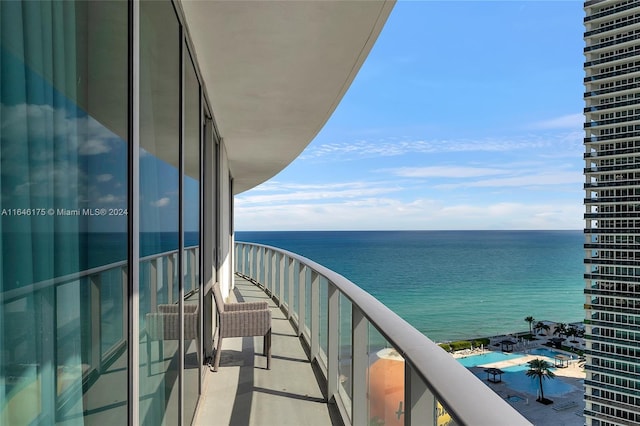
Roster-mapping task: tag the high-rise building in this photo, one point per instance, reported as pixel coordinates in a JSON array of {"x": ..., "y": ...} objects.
[{"x": 612, "y": 215}]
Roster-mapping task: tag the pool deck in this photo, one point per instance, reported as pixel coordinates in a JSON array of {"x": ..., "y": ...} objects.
[{"x": 566, "y": 409}]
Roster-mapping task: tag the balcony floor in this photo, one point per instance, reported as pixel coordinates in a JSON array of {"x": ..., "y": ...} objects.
[{"x": 243, "y": 392}]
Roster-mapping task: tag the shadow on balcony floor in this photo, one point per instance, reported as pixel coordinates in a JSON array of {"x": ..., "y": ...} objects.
[{"x": 243, "y": 392}]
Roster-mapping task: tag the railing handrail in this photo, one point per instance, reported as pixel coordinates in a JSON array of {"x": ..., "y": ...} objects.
[
  {"x": 41, "y": 285},
  {"x": 464, "y": 396}
]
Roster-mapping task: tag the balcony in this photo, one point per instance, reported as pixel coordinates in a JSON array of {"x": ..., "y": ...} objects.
[
  {"x": 359, "y": 360},
  {"x": 339, "y": 355}
]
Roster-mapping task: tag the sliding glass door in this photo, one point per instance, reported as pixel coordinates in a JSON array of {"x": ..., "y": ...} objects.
[{"x": 66, "y": 276}]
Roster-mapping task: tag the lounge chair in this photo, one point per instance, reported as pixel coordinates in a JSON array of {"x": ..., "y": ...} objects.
[{"x": 242, "y": 320}]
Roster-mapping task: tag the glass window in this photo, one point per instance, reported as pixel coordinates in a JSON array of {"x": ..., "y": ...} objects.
[
  {"x": 63, "y": 181},
  {"x": 159, "y": 206},
  {"x": 191, "y": 209}
]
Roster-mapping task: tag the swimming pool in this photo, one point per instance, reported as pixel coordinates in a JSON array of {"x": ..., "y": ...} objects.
[
  {"x": 516, "y": 378},
  {"x": 487, "y": 358},
  {"x": 546, "y": 352}
]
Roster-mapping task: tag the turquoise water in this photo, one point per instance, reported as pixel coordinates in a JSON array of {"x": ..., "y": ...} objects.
[
  {"x": 516, "y": 378},
  {"x": 546, "y": 352},
  {"x": 487, "y": 358},
  {"x": 454, "y": 284}
]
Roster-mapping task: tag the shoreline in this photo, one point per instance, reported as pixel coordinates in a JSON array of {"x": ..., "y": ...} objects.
[{"x": 541, "y": 336}]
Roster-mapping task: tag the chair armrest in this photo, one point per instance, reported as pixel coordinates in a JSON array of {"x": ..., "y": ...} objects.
[
  {"x": 245, "y": 306},
  {"x": 245, "y": 323}
]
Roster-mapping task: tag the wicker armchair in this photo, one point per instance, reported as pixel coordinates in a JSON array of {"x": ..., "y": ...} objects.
[
  {"x": 165, "y": 325},
  {"x": 242, "y": 320}
]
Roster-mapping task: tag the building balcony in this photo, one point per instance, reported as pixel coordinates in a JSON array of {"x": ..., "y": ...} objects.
[
  {"x": 613, "y": 136},
  {"x": 612, "y": 121},
  {"x": 338, "y": 354},
  {"x": 615, "y": 89},
  {"x": 608, "y": 106},
  {"x": 618, "y": 41},
  {"x": 608, "y": 12},
  {"x": 611, "y": 27}
]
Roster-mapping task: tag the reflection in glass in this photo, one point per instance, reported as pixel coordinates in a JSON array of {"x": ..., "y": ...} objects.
[
  {"x": 344, "y": 352},
  {"x": 385, "y": 392},
  {"x": 159, "y": 204},
  {"x": 63, "y": 182},
  {"x": 191, "y": 200},
  {"x": 324, "y": 323}
]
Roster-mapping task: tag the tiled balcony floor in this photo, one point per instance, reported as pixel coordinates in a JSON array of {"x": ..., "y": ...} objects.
[{"x": 243, "y": 392}]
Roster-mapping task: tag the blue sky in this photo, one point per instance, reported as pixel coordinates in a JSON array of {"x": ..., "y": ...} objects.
[{"x": 465, "y": 115}]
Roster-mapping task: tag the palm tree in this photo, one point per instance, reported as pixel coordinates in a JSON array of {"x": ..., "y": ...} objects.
[
  {"x": 530, "y": 320},
  {"x": 572, "y": 332},
  {"x": 561, "y": 328},
  {"x": 541, "y": 326},
  {"x": 540, "y": 369}
]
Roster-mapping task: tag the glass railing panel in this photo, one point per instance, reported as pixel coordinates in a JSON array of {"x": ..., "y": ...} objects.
[
  {"x": 285, "y": 282},
  {"x": 296, "y": 289},
  {"x": 443, "y": 418},
  {"x": 175, "y": 288},
  {"x": 112, "y": 310},
  {"x": 71, "y": 363},
  {"x": 345, "y": 345},
  {"x": 385, "y": 382},
  {"x": 275, "y": 274},
  {"x": 307, "y": 299},
  {"x": 324, "y": 298}
]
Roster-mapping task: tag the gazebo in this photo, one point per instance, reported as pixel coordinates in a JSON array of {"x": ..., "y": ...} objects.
[
  {"x": 561, "y": 361},
  {"x": 495, "y": 373},
  {"x": 507, "y": 345}
]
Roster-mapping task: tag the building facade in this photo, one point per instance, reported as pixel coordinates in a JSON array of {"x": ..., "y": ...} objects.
[
  {"x": 612, "y": 200},
  {"x": 126, "y": 129}
]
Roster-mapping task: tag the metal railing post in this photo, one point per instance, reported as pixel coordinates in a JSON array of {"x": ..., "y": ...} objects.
[
  {"x": 420, "y": 404},
  {"x": 359, "y": 367},
  {"x": 291, "y": 272},
  {"x": 281, "y": 278},
  {"x": 333, "y": 339},
  {"x": 302, "y": 304},
  {"x": 315, "y": 316}
]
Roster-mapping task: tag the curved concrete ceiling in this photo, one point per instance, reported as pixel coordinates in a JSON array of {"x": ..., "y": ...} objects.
[{"x": 275, "y": 71}]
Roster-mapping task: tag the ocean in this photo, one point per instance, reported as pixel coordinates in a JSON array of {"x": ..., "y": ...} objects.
[{"x": 454, "y": 284}]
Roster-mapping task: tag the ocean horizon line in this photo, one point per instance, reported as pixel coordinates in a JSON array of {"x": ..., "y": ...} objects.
[{"x": 416, "y": 230}]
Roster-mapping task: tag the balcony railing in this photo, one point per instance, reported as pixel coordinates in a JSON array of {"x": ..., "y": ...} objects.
[
  {"x": 353, "y": 338},
  {"x": 102, "y": 324}
]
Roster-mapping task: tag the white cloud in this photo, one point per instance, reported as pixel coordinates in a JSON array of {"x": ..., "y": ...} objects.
[
  {"x": 528, "y": 180},
  {"x": 31, "y": 121},
  {"x": 446, "y": 172},
  {"x": 104, "y": 178},
  {"x": 162, "y": 202},
  {"x": 109, "y": 198},
  {"x": 93, "y": 147},
  {"x": 384, "y": 213},
  {"x": 360, "y": 149},
  {"x": 317, "y": 192},
  {"x": 571, "y": 121}
]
